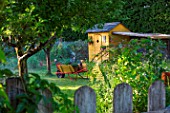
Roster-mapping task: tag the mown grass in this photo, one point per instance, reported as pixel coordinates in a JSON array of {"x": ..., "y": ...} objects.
[{"x": 67, "y": 85}]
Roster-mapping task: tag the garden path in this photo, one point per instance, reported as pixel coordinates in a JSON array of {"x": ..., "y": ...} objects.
[{"x": 96, "y": 71}]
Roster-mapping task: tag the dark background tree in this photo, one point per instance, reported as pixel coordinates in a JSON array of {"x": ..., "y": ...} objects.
[
  {"x": 71, "y": 35},
  {"x": 47, "y": 51},
  {"x": 148, "y": 16}
]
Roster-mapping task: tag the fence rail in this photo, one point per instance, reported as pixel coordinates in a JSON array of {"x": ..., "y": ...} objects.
[{"x": 85, "y": 98}]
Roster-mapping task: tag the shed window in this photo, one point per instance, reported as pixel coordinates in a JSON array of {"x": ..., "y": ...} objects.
[{"x": 104, "y": 39}]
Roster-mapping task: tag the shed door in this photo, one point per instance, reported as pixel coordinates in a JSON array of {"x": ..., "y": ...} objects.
[{"x": 97, "y": 45}]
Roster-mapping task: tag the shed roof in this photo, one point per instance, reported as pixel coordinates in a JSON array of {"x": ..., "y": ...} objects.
[
  {"x": 152, "y": 35},
  {"x": 102, "y": 28}
]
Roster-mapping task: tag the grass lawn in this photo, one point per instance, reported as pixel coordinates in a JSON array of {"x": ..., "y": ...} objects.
[{"x": 68, "y": 86}]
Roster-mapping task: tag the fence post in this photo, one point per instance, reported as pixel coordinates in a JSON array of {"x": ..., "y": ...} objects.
[
  {"x": 45, "y": 107},
  {"x": 122, "y": 102},
  {"x": 85, "y": 100},
  {"x": 156, "y": 96},
  {"x": 13, "y": 88}
]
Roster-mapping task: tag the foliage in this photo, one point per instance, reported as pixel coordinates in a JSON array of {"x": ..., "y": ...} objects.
[
  {"x": 34, "y": 61},
  {"x": 146, "y": 15},
  {"x": 167, "y": 96},
  {"x": 2, "y": 56},
  {"x": 71, "y": 35},
  {"x": 105, "y": 89},
  {"x": 168, "y": 86},
  {"x": 89, "y": 40},
  {"x": 29, "y": 26},
  {"x": 138, "y": 64},
  {"x": 64, "y": 51},
  {"x": 80, "y": 49},
  {"x": 34, "y": 85},
  {"x": 89, "y": 73},
  {"x": 4, "y": 101},
  {"x": 29, "y": 100},
  {"x": 5, "y": 106}
]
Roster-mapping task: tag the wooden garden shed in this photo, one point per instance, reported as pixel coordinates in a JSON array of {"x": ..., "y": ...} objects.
[
  {"x": 111, "y": 34},
  {"x": 101, "y": 37}
]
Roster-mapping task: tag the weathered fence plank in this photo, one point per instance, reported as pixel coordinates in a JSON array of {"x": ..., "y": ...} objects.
[
  {"x": 45, "y": 107},
  {"x": 156, "y": 96},
  {"x": 85, "y": 100},
  {"x": 122, "y": 102},
  {"x": 13, "y": 88}
]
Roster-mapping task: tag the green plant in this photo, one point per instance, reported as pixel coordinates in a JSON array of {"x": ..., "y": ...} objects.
[
  {"x": 33, "y": 62},
  {"x": 34, "y": 85},
  {"x": 79, "y": 48},
  {"x": 138, "y": 64},
  {"x": 90, "y": 66},
  {"x": 31, "y": 28},
  {"x": 90, "y": 40},
  {"x": 5, "y": 106},
  {"x": 4, "y": 100},
  {"x": 105, "y": 89},
  {"x": 29, "y": 100},
  {"x": 2, "y": 56}
]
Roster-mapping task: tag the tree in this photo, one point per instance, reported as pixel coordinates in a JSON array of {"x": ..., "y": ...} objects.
[
  {"x": 47, "y": 51},
  {"x": 68, "y": 35},
  {"x": 149, "y": 16},
  {"x": 30, "y": 25}
]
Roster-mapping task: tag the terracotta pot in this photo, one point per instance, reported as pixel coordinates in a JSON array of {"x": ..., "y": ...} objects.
[{"x": 166, "y": 77}]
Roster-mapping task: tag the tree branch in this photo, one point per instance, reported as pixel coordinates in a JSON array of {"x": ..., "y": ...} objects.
[
  {"x": 38, "y": 48},
  {"x": 8, "y": 41}
]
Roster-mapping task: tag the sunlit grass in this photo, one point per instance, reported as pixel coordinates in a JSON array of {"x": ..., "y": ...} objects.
[{"x": 67, "y": 85}]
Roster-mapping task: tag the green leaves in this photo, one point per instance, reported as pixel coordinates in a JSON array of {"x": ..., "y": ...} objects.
[
  {"x": 2, "y": 56},
  {"x": 4, "y": 101},
  {"x": 139, "y": 64},
  {"x": 5, "y": 72},
  {"x": 147, "y": 15},
  {"x": 30, "y": 24},
  {"x": 35, "y": 88}
]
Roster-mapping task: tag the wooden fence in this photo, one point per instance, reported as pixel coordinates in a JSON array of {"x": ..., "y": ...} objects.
[{"x": 85, "y": 98}]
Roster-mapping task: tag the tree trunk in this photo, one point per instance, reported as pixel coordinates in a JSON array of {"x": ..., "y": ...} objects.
[
  {"x": 47, "y": 51},
  {"x": 22, "y": 61},
  {"x": 22, "y": 67},
  {"x": 48, "y": 61}
]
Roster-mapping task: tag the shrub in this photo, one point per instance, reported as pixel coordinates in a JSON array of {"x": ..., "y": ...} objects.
[
  {"x": 139, "y": 64},
  {"x": 168, "y": 96},
  {"x": 29, "y": 100}
]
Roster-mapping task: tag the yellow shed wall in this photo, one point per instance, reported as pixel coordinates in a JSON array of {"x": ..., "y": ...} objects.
[{"x": 94, "y": 48}]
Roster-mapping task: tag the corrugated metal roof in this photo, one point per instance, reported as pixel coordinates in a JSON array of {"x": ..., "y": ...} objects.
[
  {"x": 105, "y": 28},
  {"x": 152, "y": 35}
]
